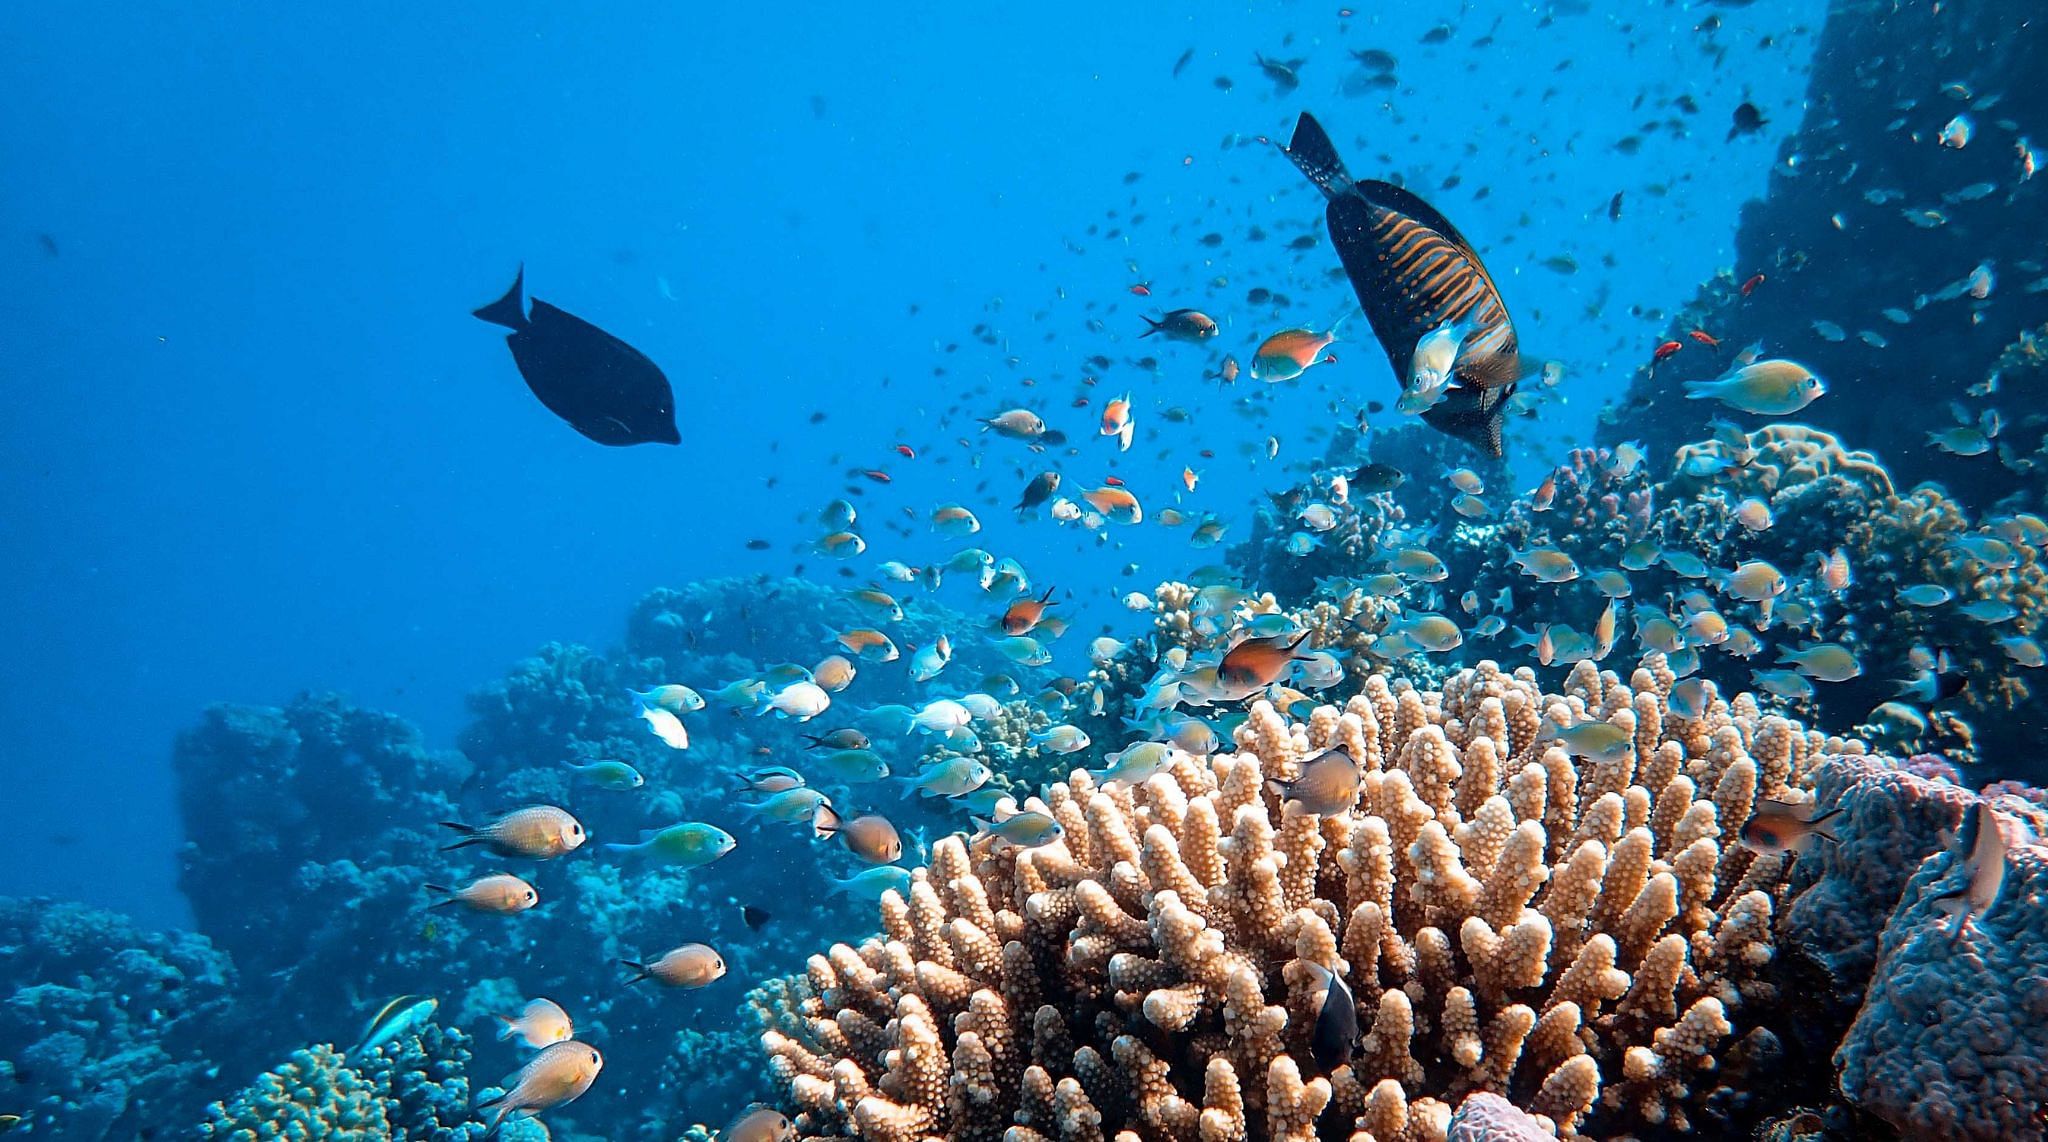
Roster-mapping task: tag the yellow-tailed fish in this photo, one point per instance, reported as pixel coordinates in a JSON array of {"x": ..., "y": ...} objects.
[
  {"x": 608, "y": 774},
  {"x": 673, "y": 697},
  {"x": 691, "y": 844}
]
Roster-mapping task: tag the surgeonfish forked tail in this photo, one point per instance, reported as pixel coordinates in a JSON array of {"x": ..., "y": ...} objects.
[
  {"x": 1413, "y": 273},
  {"x": 1312, "y": 151},
  {"x": 510, "y": 310}
]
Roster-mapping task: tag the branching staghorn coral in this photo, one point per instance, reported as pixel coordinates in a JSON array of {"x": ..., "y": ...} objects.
[{"x": 1580, "y": 937}]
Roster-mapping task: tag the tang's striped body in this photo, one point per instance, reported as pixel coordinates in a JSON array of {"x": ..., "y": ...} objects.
[{"x": 1414, "y": 272}]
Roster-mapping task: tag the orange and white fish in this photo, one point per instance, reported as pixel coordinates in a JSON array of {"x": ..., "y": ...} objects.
[
  {"x": 871, "y": 645},
  {"x": 1257, "y": 663},
  {"x": 542, "y": 1023},
  {"x": 1025, "y": 614},
  {"x": 500, "y": 894},
  {"x": 1117, "y": 422},
  {"x": 1290, "y": 353},
  {"x": 1785, "y": 826},
  {"x": 842, "y": 545},
  {"x": 537, "y": 832},
  {"x": 870, "y": 837},
  {"x": 834, "y": 673},
  {"x": 557, "y": 1076},
  {"x": 689, "y": 966},
  {"x": 1189, "y": 478},
  {"x": 1117, "y": 505}
]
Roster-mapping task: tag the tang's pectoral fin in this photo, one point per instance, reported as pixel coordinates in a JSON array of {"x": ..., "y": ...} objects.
[
  {"x": 1316, "y": 156},
  {"x": 510, "y": 310}
]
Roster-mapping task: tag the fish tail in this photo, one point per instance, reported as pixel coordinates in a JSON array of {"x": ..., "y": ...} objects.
[
  {"x": 510, "y": 310},
  {"x": 447, "y": 895},
  {"x": 508, "y": 1025},
  {"x": 1824, "y": 825},
  {"x": 503, "y": 1111},
  {"x": 1316, "y": 156},
  {"x": 825, "y": 821},
  {"x": 639, "y": 969},
  {"x": 466, "y": 835},
  {"x": 1124, "y": 434},
  {"x": 1153, "y": 327}
]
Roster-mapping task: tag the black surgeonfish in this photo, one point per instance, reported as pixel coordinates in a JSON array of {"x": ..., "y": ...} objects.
[
  {"x": 606, "y": 389},
  {"x": 1414, "y": 272}
]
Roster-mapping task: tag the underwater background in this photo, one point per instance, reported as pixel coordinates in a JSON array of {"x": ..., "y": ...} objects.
[{"x": 300, "y": 567}]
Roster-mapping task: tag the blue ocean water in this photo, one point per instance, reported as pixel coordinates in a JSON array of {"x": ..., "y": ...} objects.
[
  {"x": 308, "y": 586},
  {"x": 256, "y": 445}
]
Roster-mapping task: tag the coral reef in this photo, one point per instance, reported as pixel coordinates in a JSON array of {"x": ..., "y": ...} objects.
[
  {"x": 326, "y": 801},
  {"x": 1876, "y": 295},
  {"x": 415, "y": 1088},
  {"x": 1583, "y": 939},
  {"x": 1953, "y": 1040},
  {"x": 108, "y": 1032}
]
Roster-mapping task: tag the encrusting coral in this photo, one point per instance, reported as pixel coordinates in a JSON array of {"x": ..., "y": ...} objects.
[{"x": 1581, "y": 937}]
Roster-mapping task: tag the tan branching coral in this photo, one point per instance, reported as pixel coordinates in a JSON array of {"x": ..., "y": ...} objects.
[{"x": 1578, "y": 938}]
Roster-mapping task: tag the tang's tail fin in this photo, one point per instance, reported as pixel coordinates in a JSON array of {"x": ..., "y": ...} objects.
[
  {"x": 1313, "y": 152},
  {"x": 510, "y": 310}
]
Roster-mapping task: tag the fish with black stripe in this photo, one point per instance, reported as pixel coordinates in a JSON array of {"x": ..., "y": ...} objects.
[{"x": 1415, "y": 274}]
